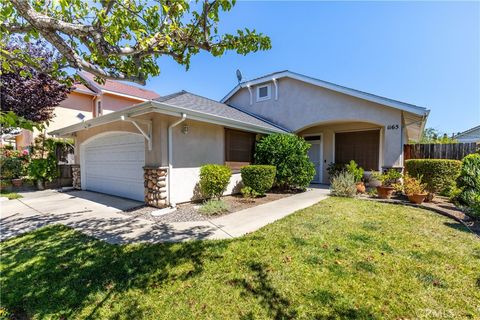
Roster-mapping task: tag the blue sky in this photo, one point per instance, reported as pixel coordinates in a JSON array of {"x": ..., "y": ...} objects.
[{"x": 424, "y": 53}]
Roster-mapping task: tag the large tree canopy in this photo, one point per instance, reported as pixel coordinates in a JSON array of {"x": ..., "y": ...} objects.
[
  {"x": 121, "y": 39},
  {"x": 28, "y": 93}
]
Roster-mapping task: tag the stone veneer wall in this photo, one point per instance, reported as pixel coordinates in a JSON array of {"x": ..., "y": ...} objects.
[
  {"x": 156, "y": 186},
  {"x": 76, "y": 177}
]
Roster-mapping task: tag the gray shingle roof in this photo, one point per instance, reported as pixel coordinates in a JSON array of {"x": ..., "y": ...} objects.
[
  {"x": 187, "y": 100},
  {"x": 473, "y": 133}
]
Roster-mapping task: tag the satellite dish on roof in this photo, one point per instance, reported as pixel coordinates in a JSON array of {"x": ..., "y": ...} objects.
[{"x": 239, "y": 75}]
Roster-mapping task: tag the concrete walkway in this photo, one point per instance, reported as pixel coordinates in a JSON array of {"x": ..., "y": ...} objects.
[{"x": 98, "y": 215}]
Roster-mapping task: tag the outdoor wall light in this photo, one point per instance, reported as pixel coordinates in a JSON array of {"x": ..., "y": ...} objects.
[{"x": 185, "y": 129}]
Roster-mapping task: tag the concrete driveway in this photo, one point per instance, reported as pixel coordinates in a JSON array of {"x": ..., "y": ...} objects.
[
  {"x": 93, "y": 214},
  {"x": 99, "y": 215}
]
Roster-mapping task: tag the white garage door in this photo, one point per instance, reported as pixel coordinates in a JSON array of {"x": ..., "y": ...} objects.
[{"x": 114, "y": 163}]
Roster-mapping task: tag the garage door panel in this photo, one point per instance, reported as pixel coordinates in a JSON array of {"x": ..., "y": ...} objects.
[
  {"x": 113, "y": 164},
  {"x": 116, "y": 156},
  {"x": 117, "y": 186},
  {"x": 126, "y": 170},
  {"x": 123, "y": 139}
]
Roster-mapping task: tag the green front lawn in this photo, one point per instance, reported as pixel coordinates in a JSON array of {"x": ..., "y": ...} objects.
[{"x": 342, "y": 258}]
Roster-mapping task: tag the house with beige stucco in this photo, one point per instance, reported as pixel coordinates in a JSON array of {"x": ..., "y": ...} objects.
[{"x": 153, "y": 150}]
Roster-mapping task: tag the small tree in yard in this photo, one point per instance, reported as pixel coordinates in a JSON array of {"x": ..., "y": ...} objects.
[
  {"x": 29, "y": 97},
  {"x": 288, "y": 153},
  {"x": 122, "y": 40}
]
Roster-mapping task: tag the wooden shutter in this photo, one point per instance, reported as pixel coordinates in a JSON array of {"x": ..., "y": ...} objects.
[
  {"x": 361, "y": 146},
  {"x": 239, "y": 146}
]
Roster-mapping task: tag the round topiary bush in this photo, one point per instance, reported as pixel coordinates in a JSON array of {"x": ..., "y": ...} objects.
[
  {"x": 438, "y": 174},
  {"x": 258, "y": 177},
  {"x": 214, "y": 179},
  {"x": 288, "y": 153}
]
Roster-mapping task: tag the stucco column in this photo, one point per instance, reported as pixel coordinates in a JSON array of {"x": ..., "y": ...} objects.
[{"x": 392, "y": 146}]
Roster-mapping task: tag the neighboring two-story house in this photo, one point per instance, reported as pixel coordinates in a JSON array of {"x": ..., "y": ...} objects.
[
  {"x": 159, "y": 145},
  {"x": 88, "y": 101}
]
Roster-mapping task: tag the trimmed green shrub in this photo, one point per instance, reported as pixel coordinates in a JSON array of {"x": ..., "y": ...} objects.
[
  {"x": 469, "y": 183},
  {"x": 249, "y": 193},
  {"x": 258, "y": 177},
  {"x": 214, "y": 179},
  {"x": 438, "y": 174},
  {"x": 214, "y": 207},
  {"x": 343, "y": 185},
  {"x": 288, "y": 153}
]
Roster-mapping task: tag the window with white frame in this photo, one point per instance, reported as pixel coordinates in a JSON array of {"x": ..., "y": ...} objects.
[
  {"x": 99, "y": 108},
  {"x": 264, "y": 92}
]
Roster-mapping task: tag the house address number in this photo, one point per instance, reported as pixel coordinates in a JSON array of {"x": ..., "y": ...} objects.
[{"x": 393, "y": 127}]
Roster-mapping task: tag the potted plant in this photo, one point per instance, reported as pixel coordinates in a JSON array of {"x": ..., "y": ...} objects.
[
  {"x": 414, "y": 189},
  {"x": 357, "y": 173},
  {"x": 388, "y": 179},
  {"x": 373, "y": 179}
]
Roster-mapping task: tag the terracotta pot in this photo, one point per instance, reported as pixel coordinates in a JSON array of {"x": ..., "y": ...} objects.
[
  {"x": 417, "y": 198},
  {"x": 17, "y": 182},
  {"x": 385, "y": 192},
  {"x": 360, "y": 187}
]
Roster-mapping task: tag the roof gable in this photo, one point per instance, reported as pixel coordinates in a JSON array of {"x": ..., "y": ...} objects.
[
  {"x": 119, "y": 88},
  {"x": 183, "y": 103},
  {"x": 187, "y": 100},
  {"x": 331, "y": 86},
  {"x": 473, "y": 133}
]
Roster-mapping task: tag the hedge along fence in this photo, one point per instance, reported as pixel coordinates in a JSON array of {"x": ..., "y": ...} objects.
[
  {"x": 438, "y": 174},
  {"x": 258, "y": 177}
]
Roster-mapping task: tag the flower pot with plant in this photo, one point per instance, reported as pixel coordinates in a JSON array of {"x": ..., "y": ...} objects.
[
  {"x": 357, "y": 173},
  {"x": 388, "y": 179},
  {"x": 373, "y": 180},
  {"x": 414, "y": 189}
]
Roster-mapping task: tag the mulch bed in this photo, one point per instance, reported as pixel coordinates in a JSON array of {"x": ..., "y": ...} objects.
[
  {"x": 190, "y": 211},
  {"x": 439, "y": 204}
]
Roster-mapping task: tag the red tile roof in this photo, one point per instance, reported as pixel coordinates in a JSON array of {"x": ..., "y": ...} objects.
[
  {"x": 120, "y": 87},
  {"x": 81, "y": 87}
]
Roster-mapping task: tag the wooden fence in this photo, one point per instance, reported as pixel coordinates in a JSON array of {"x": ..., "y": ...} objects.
[{"x": 455, "y": 151}]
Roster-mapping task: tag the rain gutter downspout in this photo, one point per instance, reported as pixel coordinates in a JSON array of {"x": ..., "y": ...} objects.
[{"x": 170, "y": 157}]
